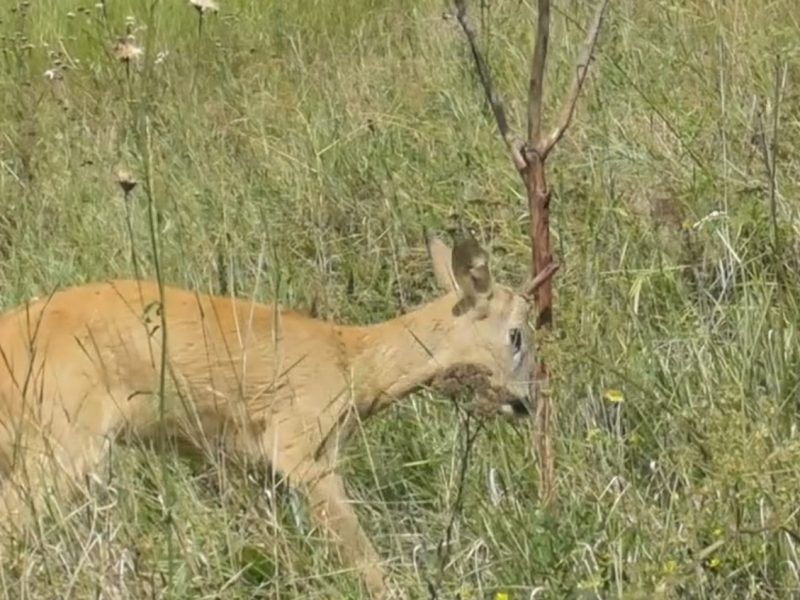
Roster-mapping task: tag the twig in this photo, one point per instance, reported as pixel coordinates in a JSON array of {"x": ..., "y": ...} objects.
[
  {"x": 488, "y": 87},
  {"x": 536, "y": 84},
  {"x": 544, "y": 146},
  {"x": 469, "y": 441}
]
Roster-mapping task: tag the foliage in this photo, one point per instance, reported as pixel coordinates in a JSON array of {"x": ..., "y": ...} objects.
[{"x": 295, "y": 152}]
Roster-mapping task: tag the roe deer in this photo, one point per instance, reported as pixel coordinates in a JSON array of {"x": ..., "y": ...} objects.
[{"x": 83, "y": 366}]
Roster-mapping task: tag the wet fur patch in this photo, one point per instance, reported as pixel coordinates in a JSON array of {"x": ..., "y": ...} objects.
[{"x": 464, "y": 379}]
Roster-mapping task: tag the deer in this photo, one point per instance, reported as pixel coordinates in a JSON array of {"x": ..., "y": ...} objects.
[{"x": 93, "y": 364}]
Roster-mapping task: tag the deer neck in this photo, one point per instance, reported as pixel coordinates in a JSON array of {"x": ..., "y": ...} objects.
[{"x": 397, "y": 356}]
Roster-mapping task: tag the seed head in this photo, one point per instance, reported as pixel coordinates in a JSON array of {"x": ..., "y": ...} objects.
[
  {"x": 205, "y": 6},
  {"x": 126, "y": 50},
  {"x": 125, "y": 180}
]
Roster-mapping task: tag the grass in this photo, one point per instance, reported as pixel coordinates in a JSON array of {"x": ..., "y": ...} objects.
[{"x": 295, "y": 152}]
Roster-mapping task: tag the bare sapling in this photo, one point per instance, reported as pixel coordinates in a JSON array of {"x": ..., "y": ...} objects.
[{"x": 529, "y": 158}]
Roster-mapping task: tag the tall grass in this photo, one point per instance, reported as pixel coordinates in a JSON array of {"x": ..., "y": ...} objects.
[{"x": 295, "y": 151}]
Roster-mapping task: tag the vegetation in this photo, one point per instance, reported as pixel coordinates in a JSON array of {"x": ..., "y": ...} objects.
[{"x": 294, "y": 151}]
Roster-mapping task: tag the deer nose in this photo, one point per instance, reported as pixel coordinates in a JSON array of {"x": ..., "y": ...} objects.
[{"x": 519, "y": 408}]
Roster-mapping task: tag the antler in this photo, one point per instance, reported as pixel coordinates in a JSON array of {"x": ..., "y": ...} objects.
[{"x": 533, "y": 284}]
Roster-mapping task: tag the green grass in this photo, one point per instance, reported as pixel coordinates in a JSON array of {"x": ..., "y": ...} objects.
[{"x": 297, "y": 151}]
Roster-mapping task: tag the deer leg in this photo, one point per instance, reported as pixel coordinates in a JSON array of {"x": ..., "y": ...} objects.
[
  {"x": 331, "y": 509},
  {"x": 46, "y": 472},
  {"x": 54, "y": 460}
]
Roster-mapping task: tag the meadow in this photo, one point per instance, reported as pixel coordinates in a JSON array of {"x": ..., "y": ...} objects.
[{"x": 295, "y": 151}]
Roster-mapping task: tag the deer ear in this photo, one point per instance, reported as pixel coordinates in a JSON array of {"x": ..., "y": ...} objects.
[
  {"x": 473, "y": 278},
  {"x": 471, "y": 269},
  {"x": 442, "y": 258}
]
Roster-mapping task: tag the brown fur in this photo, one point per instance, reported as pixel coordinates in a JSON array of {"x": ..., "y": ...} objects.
[{"x": 82, "y": 367}]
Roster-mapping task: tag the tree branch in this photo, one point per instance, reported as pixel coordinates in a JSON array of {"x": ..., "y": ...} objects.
[
  {"x": 488, "y": 87},
  {"x": 544, "y": 146},
  {"x": 536, "y": 83}
]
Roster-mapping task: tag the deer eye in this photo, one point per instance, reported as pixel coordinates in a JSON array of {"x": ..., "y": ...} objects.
[{"x": 515, "y": 337}]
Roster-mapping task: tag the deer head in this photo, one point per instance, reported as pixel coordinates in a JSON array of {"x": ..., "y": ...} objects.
[{"x": 489, "y": 339}]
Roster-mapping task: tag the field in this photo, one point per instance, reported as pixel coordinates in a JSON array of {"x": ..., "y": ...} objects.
[{"x": 294, "y": 151}]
